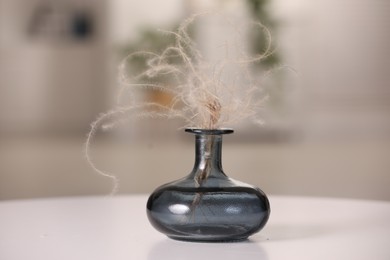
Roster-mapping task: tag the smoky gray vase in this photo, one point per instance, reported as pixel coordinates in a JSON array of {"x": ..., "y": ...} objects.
[{"x": 207, "y": 205}]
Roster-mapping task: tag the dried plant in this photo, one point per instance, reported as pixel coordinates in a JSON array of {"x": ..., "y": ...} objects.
[{"x": 205, "y": 94}]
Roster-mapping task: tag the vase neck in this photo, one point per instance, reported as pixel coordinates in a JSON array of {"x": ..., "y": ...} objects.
[{"x": 208, "y": 153}]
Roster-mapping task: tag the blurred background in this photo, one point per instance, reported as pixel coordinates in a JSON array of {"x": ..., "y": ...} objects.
[{"x": 327, "y": 132}]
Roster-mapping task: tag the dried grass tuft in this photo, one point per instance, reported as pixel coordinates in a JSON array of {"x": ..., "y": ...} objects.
[{"x": 203, "y": 97}]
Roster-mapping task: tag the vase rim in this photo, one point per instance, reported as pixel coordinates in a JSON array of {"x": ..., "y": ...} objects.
[{"x": 218, "y": 131}]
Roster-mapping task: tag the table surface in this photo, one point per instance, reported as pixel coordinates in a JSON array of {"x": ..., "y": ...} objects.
[{"x": 117, "y": 228}]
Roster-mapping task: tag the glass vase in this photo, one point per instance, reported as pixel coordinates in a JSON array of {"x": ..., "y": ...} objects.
[{"x": 207, "y": 205}]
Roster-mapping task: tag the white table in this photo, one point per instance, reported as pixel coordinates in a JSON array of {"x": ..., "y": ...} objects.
[{"x": 114, "y": 228}]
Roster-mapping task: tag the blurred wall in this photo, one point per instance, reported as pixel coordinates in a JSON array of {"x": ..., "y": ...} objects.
[
  {"x": 340, "y": 50},
  {"x": 54, "y": 74},
  {"x": 53, "y": 84}
]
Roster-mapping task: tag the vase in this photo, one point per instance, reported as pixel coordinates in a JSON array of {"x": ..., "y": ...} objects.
[{"x": 207, "y": 205}]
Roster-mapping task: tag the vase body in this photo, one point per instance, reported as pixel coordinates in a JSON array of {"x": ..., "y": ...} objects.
[{"x": 207, "y": 205}]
